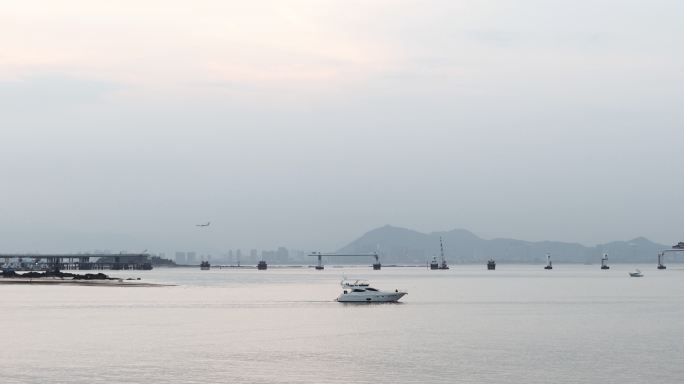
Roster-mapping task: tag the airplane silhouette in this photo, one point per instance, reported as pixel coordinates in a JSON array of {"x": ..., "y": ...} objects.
[{"x": 202, "y": 225}]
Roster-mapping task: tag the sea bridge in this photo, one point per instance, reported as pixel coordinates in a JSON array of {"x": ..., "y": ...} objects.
[{"x": 319, "y": 267}]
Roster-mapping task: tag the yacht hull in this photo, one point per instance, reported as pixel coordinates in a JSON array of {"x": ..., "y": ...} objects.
[{"x": 375, "y": 297}]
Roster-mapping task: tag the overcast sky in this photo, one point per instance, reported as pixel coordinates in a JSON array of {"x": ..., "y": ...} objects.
[{"x": 307, "y": 123}]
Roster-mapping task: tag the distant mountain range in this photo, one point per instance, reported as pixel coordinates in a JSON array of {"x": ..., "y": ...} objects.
[
  {"x": 395, "y": 245},
  {"x": 405, "y": 245}
]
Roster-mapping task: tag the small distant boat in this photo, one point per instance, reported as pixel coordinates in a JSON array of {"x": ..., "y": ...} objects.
[
  {"x": 434, "y": 264},
  {"x": 491, "y": 264},
  {"x": 262, "y": 265},
  {"x": 679, "y": 245},
  {"x": 636, "y": 273},
  {"x": 603, "y": 261},
  {"x": 549, "y": 264},
  {"x": 360, "y": 292},
  {"x": 205, "y": 266}
]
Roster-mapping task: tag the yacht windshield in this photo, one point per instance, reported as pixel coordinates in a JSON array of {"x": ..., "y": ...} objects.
[
  {"x": 372, "y": 289},
  {"x": 359, "y": 290}
]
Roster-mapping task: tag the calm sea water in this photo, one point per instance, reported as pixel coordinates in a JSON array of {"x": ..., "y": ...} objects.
[{"x": 518, "y": 324}]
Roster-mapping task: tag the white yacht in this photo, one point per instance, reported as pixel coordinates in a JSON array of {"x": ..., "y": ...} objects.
[
  {"x": 360, "y": 292},
  {"x": 636, "y": 273}
]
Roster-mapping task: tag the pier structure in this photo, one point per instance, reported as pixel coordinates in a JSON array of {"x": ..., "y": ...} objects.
[
  {"x": 319, "y": 267},
  {"x": 83, "y": 262},
  {"x": 661, "y": 255}
]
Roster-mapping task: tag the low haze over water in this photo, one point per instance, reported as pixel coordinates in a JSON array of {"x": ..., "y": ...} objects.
[
  {"x": 167, "y": 133},
  {"x": 518, "y": 324}
]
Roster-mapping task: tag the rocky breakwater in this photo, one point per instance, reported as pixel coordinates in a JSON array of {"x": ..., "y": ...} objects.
[
  {"x": 57, "y": 277},
  {"x": 58, "y": 274}
]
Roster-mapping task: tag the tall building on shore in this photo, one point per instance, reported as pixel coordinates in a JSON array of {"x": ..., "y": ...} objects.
[
  {"x": 180, "y": 257},
  {"x": 282, "y": 255},
  {"x": 268, "y": 255},
  {"x": 253, "y": 255},
  {"x": 297, "y": 255}
]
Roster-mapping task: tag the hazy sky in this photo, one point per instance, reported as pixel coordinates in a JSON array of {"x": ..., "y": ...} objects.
[{"x": 307, "y": 123}]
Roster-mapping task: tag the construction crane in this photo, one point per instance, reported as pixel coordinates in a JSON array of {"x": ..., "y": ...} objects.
[
  {"x": 140, "y": 256},
  {"x": 441, "y": 248}
]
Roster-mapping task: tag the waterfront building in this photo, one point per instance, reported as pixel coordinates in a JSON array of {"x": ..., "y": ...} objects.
[
  {"x": 297, "y": 255},
  {"x": 268, "y": 255},
  {"x": 180, "y": 257},
  {"x": 282, "y": 255}
]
